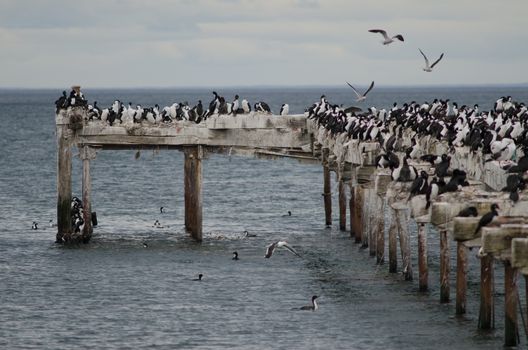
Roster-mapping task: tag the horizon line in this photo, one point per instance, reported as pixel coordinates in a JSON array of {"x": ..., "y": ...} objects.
[{"x": 454, "y": 85}]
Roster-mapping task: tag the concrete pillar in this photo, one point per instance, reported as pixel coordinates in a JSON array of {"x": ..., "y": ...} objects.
[{"x": 193, "y": 191}]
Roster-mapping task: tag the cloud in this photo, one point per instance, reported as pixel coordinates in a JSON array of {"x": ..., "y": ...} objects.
[{"x": 251, "y": 42}]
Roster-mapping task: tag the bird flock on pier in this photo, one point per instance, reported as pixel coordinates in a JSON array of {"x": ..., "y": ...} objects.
[
  {"x": 120, "y": 114},
  {"x": 500, "y": 134}
]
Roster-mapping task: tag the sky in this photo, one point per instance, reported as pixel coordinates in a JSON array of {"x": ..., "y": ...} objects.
[{"x": 204, "y": 43}]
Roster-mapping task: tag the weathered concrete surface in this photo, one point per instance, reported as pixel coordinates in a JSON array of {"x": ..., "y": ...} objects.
[{"x": 254, "y": 130}]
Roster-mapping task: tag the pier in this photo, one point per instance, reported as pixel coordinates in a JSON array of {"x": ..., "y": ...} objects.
[
  {"x": 366, "y": 189},
  {"x": 250, "y": 134}
]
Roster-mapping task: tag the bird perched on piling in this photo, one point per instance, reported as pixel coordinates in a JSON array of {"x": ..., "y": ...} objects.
[
  {"x": 488, "y": 217},
  {"x": 468, "y": 212},
  {"x": 387, "y": 160},
  {"x": 435, "y": 188},
  {"x": 404, "y": 173},
  {"x": 419, "y": 185},
  {"x": 442, "y": 167},
  {"x": 514, "y": 184}
]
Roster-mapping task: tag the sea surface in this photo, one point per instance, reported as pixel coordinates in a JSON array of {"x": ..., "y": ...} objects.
[{"x": 114, "y": 293}]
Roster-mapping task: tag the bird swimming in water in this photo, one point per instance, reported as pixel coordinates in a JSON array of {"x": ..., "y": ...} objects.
[
  {"x": 235, "y": 256},
  {"x": 145, "y": 245},
  {"x": 429, "y": 68},
  {"x": 289, "y": 214},
  {"x": 361, "y": 97},
  {"x": 279, "y": 244},
  {"x": 199, "y": 277},
  {"x": 386, "y": 39},
  {"x": 488, "y": 217},
  {"x": 312, "y": 307},
  {"x": 161, "y": 210},
  {"x": 468, "y": 212},
  {"x": 34, "y": 226},
  {"x": 247, "y": 234}
]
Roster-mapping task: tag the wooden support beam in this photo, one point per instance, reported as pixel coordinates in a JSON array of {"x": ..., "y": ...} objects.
[
  {"x": 327, "y": 189},
  {"x": 193, "y": 191},
  {"x": 380, "y": 231},
  {"x": 352, "y": 210},
  {"x": 444, "y": 267},
  {"x": 87, "y": 154},
  {"x": 423, "y": 270},
  {"x": 461, "y": 278},
  {"x": 511, "y": 330},
  {"x": 487, "y": 305},
  {"x": 64, "y": 181},
  {"x": 342, "y": 205}
]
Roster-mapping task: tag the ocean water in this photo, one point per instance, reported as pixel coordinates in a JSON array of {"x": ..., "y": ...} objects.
[{"x": 115, "y": 294}]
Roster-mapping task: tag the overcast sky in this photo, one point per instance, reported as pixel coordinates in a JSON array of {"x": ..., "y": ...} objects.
[{"x": 159, "y": 43}]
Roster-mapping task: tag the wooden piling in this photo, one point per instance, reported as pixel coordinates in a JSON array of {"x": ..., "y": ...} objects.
[
  {"x": 444, "y": 267},
  {"x": 87, "y": 154},
  {"x": 511, "y": 330},
  {"x": 405, "y": 242},
  {"x": 461, "y": 278},
  {"x": 380, "y": 232},
  {"x": 327, "y": 189},
  {"x": 393, "y": 242},
  {"x": 64, "y": 181},
  {"x": 486, "y": 312},
  {"x": 352, "y": 211},
  {"x": 371, "y": 222},
  {"x": 193, "y": 191},
  {"x": 342, "y": 205},
  {"x": 358, "y": 213},
  {"x": 423, "y": 271}
]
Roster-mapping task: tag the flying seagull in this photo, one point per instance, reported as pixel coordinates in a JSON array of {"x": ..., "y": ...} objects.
[
  {"x": 386, "y": 39},
  {"x": 429, "y": 68},
  {"x": 279, "y": 244},
  {"x": 361, "y": 97}
]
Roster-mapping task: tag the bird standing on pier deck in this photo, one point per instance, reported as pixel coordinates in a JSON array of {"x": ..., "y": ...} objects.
[
  {"x": 246, "y": 107},
  {"x": 386, "y": 39},
  {"x": 279, "y": 244},
  {"x": 312, "y": 307},
  {"x": 487, "y": 218},
  {"x": 285, "y": 108}
]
